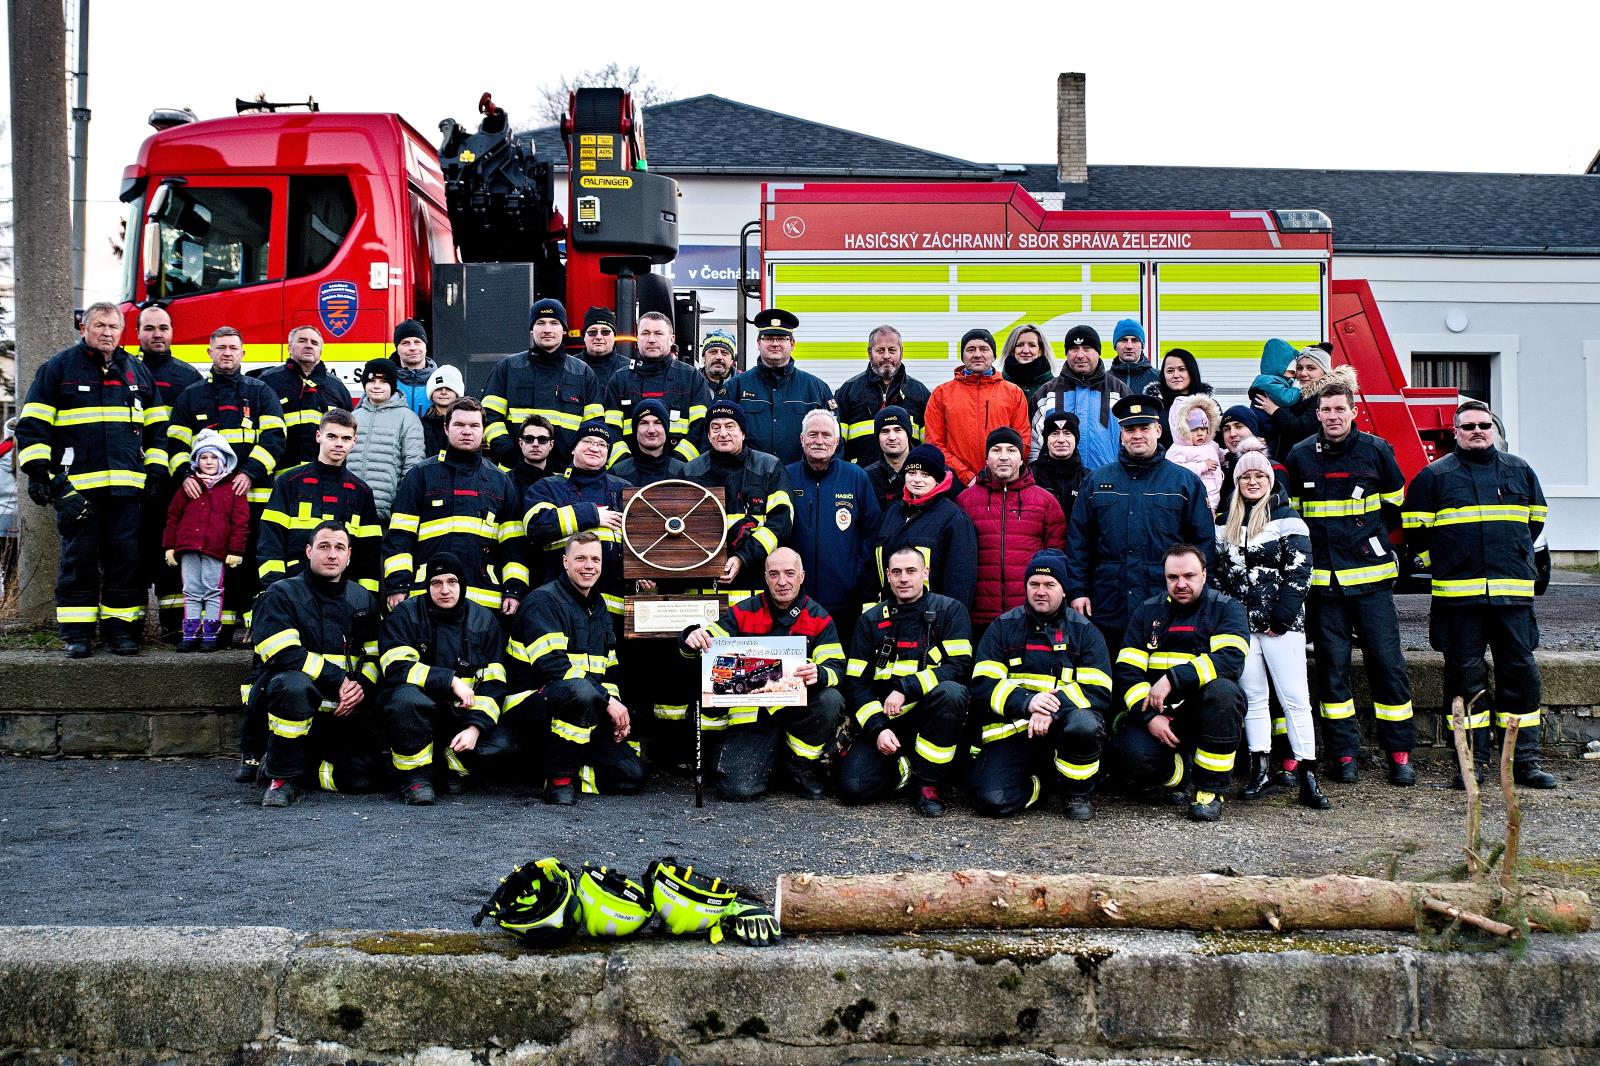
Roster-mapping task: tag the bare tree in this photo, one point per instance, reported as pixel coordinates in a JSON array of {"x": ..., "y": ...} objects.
[{"x": 551, "y": 106}]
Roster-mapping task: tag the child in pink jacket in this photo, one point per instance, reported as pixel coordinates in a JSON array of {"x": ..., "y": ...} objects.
[{"x": 1195, "y": 421}]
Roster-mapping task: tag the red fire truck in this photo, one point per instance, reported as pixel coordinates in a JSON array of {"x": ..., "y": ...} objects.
[{"x": 353, "y": 223}]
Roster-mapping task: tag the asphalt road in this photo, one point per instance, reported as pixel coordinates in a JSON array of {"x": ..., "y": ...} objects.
[
  {"x": 121, "y": 842},
  {"x": 1568, "y": 613}
]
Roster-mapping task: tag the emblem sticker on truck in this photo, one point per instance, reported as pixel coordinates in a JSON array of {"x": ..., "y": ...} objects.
[{"x": 336, "y": 304}]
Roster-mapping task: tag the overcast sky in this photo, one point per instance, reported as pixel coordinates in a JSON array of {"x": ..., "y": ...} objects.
[{"x": 1389, "y": 85}]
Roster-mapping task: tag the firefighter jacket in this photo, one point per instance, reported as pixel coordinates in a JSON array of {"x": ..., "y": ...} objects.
[
  {"x": 248, "y": 416},
  {"x": 937, "y": 527},
  {"x": 863, "y": 396},
  {"x": 1129, "y": 513},
  {"x": 1349, "y": 492},
  {"x": 760, "y": 514},
  {"x": 464, "y": 504},
  {"x": 525, "y": 477},
  {"x": 536, "y": 382},
  {"x": 640, "y": 469},
  {"x": 680, "y": 388},
  {"x": 835, "y": 519},
  {"x": 887, "y": 484},
  {"x": 561, "y": 634},
  {"x": 100, "y": 421},
  {"x": 304, "y": 497},
  {"x": 1013, "y": 520},
  {"x": 568, "y": 503},
  {"x": 1191, "y": 644},
  {"x": 605, "y": 367},
  {"x": 1472, "y": 518},
  {"x": 1023, "y": 653},
  {"x": 775, "y": 401},
  {"x": 756, "y": 617},
  {"x": 171, "y": 375},
  {"x": 305, "y": 398},
  {"x": 908, "y": 648},
  {"x": 327, "y": 630},
  {"x": 423, "y": 645}
]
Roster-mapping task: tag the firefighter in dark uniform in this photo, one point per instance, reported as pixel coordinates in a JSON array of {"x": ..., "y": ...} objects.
[
  {"x": 544, "y": 380},
  {"x": 92, "y": 439},
  {"x": 719, "y": 355},
  {"x": 250, "y": 419},
  {"x": 656, "y": 375},
  {"x": 444, "y": 680},
  {"x": 648, "y": 460},
  {"x": 775, "y": 393},
  {"x": 316, "y": 636},
  {"x": 584, "y": 497},
  {"x": 563, "y": 676},
  {"x": 882, "y": 385},
  {"x": 759, "y": 512},
  {"x": 836, "y": 519},
  {"x": 600, "y": 345},
  {"x": 1178, "y": 678},
  {"x": 1472, "y": 518},
  {"x": 321, "y": 491},
  {"x": 461, "y": 503},
  {"x": 1042, "y": 686},
  {"x": 892, "y": 429},
  {"x": 1348, "y": 488},
  {"x": 172, "y": 376},
  {"x": 751, "y": 736},
  {"x": 906, "y": 688},
  {"x": 306, "y": 389}
]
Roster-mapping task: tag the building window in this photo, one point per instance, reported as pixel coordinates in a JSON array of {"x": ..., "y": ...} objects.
[{"x": 1467, "y": 374}]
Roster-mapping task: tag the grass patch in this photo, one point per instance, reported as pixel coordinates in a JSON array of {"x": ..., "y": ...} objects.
[{"x": 31, "y": 640}]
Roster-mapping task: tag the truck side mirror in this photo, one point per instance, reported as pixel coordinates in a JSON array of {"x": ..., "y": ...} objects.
[{"x": 150, "y": 254}]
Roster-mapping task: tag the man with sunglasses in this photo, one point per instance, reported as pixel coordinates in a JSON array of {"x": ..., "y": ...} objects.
[
  {"x": 1472, "y": 517},
  {"x": 536, "y": 441}
]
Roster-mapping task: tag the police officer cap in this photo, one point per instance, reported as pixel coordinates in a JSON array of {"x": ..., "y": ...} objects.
[
  {"x": 1137, "y": 410},
  {"x": 893, "y": 415},
  {"x": 776, "y": 322},
  {"x": 547, "y": 308},
  {"x": 726, "y": 408}
]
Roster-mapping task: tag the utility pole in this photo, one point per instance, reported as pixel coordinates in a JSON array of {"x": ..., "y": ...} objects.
[
  {"x": 80, "y": 155},
  {"x": 44, "y": 283}
]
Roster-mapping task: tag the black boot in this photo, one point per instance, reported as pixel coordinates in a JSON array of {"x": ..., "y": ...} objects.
[
  {"x": 560, "y": 792},
  {"x": 1207, "y": 807},
  {"x": 1457, "y": 782},
  {"x": 1345, "y": 772},
  {"x": 1401, "y": 773},
  {"x": 1282, "y": 776},
  {"x": 418, "y": 794},
  {"x": 249, "y": 771},
  {"x": 1261, "y": 782},
  {"x": 1530, "y": 775},
  {"x": 1310, "y": 792},
  {"x": 929, "y": 803},
  {"x": 1077, "y": 808}
]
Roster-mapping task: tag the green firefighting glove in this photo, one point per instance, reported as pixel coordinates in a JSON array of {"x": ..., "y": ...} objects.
[
  {"x": 749, "y": 921},
  {"x": 612, "y": 905},
  {"x": 689, "y": 903},
  {"x": 536, "y": 903}
]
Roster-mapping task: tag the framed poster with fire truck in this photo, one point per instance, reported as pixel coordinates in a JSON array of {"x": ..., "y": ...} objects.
[
  {"x": 753, "y": 672},
  {"x": 675, "y": 544}
]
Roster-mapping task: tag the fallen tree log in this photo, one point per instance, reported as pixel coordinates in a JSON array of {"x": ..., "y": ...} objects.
[{"x": 996, "y": 899}]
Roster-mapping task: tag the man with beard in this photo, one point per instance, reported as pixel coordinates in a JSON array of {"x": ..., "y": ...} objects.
[
  {"x": 306, "y": 389},
  {"x": 600, "y": 345},
  {"x": 1131, "y": 367},
  {"x": 892, "y": 427},
  {"x": 882, "y": 385},
  {"x": 648, "y": 460},
  {"x": 718, "y": 355}
]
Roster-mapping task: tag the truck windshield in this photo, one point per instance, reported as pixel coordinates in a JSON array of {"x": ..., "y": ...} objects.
[
  {"x": 726, "y": 662},
  {"x": 211, "y": 239}
]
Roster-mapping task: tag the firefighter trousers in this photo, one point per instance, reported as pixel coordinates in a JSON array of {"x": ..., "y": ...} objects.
[
  {"x": 577, "y": 739},
  {"x": 244, "y": 582},
  {"x": 1207, "y": 726},
  {"x": 419, "y": 730},
  {"x": 1336, "y": 622},
  {"x": 1011, "y": 772},
  {"x": 1463, "y": 634},
  {"x": 749, "y": 748},
  {"x": 928, "y": 733},
  {"x": 99, "y": 579},
  {"x": 166, "y": 580},
  {"x": 305, "y": 736}
]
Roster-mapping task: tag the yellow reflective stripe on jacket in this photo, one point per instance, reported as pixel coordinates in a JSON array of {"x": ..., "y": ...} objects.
[
  {"x": 267, "y": 647},
  {"x": 1136, "y": 694},
  {"x": 440, "y": 527},
  {"x": 107, "y": 479},
  {"x": 83, "y": 416},
  {"x": 1314, "y": 509},
  {"x": 1136, "y": 657},
  {"x": 1359, "y": 575}
]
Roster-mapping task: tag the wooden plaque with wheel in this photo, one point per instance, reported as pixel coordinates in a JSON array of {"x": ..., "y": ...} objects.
[{"x": 673, "y": 532}]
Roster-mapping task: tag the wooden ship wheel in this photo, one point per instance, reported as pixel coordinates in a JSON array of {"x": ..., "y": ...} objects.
[{"x": 673, "y": 529}]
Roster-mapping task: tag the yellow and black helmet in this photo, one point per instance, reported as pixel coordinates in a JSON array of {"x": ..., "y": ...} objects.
[
  {"x": 613, "y": 905},
  {"x": 537, "y": 903}
]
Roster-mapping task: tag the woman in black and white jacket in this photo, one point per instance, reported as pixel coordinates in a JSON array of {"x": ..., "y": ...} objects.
[{"x": 1263, "y": 560}]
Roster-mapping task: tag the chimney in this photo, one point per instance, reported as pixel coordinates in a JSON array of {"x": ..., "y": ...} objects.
[{"x": 1072, "y": 147}]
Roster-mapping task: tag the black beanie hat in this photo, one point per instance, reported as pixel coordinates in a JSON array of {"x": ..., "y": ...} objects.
[
  {"x": 599, "y": 315},
  {"x": 1083, "y": 337},
  {"x": 928, "y": 459},
  {"x": 726, "y": 408},
  {"x": 1048, "y": 561},
  {"x": 410, "y": 328},
  {"x": 893, "y": 415},
  {"x": 382, "y": 368},
  {"x": 547, "y": 308},
  {"x": 1058, "y": 420},
  {"x": 446, "y": 563},
  {"x": 594, "y": 427},
  {"x": 1003, "y": 435},
  {"x": 976, "y": 334}
]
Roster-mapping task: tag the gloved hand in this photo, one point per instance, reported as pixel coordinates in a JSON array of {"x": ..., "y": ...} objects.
[
  {"x": 172, "y": 557},
  {"x": 689, "y": 903},
  {"x": 39, "y": 491},
  {"x": 233, "y": 561},
  {"x": 71, "y": 505},
  {"x": 154, "y": 486},
  {"x": 748, "y": 921}
]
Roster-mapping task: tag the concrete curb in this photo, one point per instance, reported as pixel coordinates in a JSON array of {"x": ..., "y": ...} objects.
[
  {"x": 248, "y": 995},
  {"x": 166, "y": 704}
]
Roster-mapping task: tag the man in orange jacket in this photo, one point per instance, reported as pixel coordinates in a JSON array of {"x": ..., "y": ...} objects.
[{"x": 962, "y": 411}]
